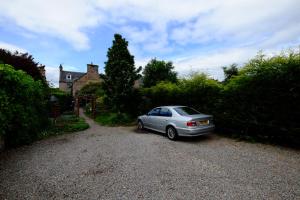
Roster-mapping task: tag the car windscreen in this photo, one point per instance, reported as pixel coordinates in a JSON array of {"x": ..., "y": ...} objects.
[{"x": 186, "y": 111}]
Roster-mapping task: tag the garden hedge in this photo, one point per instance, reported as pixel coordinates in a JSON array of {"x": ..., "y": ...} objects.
[
  {"x": 23, "y": 106},
  {"x": 261, "y": 101}
]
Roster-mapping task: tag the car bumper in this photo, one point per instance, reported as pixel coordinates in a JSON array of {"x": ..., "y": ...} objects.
[{"x": 190, "y": 132}]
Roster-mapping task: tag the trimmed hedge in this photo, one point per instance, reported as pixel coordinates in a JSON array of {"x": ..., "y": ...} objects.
[
  {"x": 198, "y": 91},
  {"x": 263, "y": 99},
  {"x": 23, "y": 107},
  {"x": 260, "y": 102}
]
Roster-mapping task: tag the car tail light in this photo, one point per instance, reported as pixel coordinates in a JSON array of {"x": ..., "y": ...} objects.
[{"x": 191, "y": 123}]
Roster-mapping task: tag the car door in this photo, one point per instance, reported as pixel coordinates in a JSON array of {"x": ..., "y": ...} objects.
[
  {"x": 152, "y": 118},
  {"x": 163, "y": 119}
]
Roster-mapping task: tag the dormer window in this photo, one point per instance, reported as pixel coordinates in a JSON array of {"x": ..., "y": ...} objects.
[{"x": 68, "y": 77}]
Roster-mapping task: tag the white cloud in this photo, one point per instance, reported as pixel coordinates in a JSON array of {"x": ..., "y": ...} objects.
[
  {"x": 188, "y": 22},
  {"x": 64, "y": 19},
  {"x": 241, "y": 22},
  {"x": 211, "y": 63},
  {"x": 12, "y": 47},
  {"x": 52, "y": 75},
  {"x": 200, "y": 22},
  {"x": 236, "y": 29}
]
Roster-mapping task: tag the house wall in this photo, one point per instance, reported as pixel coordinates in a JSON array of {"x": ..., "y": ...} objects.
[
  {"x": 92, "y": 75},
  {"x": 86, "y": 79},
  {"x": 64, "y": 87},
  {"x": 92, "y": 72}
]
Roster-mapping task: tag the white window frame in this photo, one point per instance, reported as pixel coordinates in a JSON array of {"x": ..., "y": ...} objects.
[{"x": 69, "y": 77}]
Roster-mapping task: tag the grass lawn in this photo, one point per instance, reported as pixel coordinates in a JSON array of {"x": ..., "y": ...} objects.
[
  {"x": 66, "y": 123},
  {"x": 114, "y": 119}
]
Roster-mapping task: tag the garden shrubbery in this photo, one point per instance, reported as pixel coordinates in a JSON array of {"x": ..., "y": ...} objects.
[
  {"x": 198, "y": 91},
  {"x": 261, "y": 101},
  {"x": 23, "y": 106},
  {"x": 65, "y": 100},
  {"x": 66, "y": 123},
  {"x": 24, "y": 62}
]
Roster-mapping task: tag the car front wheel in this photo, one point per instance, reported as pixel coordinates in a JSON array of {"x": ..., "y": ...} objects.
[
  {"x": 140, "y": 125},
  {"x": 171, "y": 133}
]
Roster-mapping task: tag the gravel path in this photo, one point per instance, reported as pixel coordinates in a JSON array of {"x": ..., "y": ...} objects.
[{"x": 118, "y": 163}]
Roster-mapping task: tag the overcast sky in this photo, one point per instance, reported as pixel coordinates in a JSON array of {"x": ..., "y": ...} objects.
[{"x": 197, "y": 35}]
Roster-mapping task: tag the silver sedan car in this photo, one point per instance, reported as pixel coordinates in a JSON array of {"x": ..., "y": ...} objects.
[{"x": 177, "y": 121}]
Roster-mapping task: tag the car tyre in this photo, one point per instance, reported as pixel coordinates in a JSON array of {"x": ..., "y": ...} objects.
[
  {"x": 171, "y": 133},
  {"x": 140, "y": 125}
]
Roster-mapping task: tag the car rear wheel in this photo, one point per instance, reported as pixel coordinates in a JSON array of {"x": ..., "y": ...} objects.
[{"x": 172, "y": 133}]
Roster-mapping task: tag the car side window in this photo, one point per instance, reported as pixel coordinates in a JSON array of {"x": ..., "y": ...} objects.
[
  {"x": 154, "y": 112},
  {"x": 165, "y": 112}
]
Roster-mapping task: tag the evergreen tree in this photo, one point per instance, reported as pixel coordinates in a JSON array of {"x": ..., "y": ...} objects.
[{"x": 120, "y": 75}]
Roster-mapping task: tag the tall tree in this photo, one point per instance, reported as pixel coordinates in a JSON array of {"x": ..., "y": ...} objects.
[
  {"x": 22, "y": 61},
  {"x": 230, "y": 71},
  {"x": 120, "y": 75},
  {"x": 158, "y": 70}
]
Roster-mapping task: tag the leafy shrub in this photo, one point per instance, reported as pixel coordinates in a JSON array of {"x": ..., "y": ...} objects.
[
  {"x": 260, "y": 101},
  {"x": 65, "y": 99},
  {"x": 22, "y": 61},
  {"x": 64, "y": 124},
  {"x": 92, "y": 89},
  {"x": 202, "y": 93},
  {"x": 198, "y": 91},
  {"x": 23, "y": 106},
  {"x": 164, "y": 93},
  {"x": 114, "y": 119},
  {"x": 263, "y": 99}
]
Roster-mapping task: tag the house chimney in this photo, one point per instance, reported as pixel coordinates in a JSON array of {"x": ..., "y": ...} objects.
[
  {"x": 60, "y": 67},
  {"x": 91, "y": 68}
]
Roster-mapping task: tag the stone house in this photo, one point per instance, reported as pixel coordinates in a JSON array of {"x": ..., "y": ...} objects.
[{"x": 73, "y": 81}]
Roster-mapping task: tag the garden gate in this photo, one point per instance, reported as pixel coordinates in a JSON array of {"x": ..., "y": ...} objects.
[{"x": 87, "y": 98}]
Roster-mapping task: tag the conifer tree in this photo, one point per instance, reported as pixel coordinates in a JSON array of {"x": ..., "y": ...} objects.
[{"x": 120, "y": 75}]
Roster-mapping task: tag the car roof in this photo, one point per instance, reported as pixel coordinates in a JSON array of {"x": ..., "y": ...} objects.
[{"x": 171, "y": 106}]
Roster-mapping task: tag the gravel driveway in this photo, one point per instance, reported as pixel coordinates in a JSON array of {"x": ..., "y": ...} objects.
[{"x": 118, "y": 163}]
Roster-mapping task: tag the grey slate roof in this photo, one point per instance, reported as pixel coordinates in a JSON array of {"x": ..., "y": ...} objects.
[{"x": 74, "y": 76}]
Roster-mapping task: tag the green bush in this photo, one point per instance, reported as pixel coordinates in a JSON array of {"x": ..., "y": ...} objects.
[
  {"x": 66, "y": 123},
  {"x": 24, "y": 62},
  {"x": 91, "y": 89},
  {"x": 260, "y": 101},
  {"x": 202, "y": 93},
  {"x": 114, "y": 119},
  {"x": 263, "y": 99},
  {"x": 23, "y": 107},
  {"x": 198, "y": 91},
  {"x": 65, "y": 99}
]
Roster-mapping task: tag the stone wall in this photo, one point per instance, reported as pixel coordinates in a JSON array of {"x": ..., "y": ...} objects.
[
  {"x": 64, "y": 87},
  {"x": 86, "y": 79},
  {"x": 92, "y": 76}
]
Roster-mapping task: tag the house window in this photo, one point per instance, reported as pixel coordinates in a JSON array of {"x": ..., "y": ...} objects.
[{"x": 69, "y": 77}]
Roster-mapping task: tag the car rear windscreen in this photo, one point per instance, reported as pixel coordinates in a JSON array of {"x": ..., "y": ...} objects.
[{"x": 186, "y": 111}]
